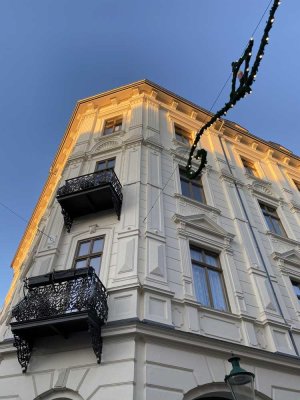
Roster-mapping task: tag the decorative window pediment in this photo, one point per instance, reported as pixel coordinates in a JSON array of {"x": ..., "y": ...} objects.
[
  {"x": 105, "y": 145},
  {"x": 201, "y": 222},
  {"x": 291, "y": 257},
  {"x": 262, "y": 189}
]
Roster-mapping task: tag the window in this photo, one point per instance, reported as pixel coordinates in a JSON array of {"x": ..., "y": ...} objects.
[
  {"x": 297, "y": 184},
  {"x": 182, "y": 135},
  {"x": 89, "y": 253},
  {"x": 272, "y": 219},
  {"x": 105, "y": 164},
  {"x": 191, "y": 188},
  {"x": 296, "y": 287},
  {"x": 249, "y": 167},
  {"x": 208, "y": 279},
  {"x": 112, "y": 125}
]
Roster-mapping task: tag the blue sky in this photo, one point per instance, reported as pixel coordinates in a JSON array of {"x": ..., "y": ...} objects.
[{"x": 56, "y": 52}]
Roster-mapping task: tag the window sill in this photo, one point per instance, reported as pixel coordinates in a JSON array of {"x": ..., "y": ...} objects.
[
  {"x": 178, "y": 143},
  {"x": 212, "y": 311},
  {"x": 263, "y": 182},
  {"x": 282, "y": 238},
  {"x": 196, "y": 203}
]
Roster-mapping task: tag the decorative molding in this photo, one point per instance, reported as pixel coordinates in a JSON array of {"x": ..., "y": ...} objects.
[
  {"x": 106, "y": 144},
  {"x": 283, "y": 239},
  {"x": 181, "y": 119},
  {"x": 294, "y": 206},
  {"x": 203, "y": 223},
  {"x": 202, "y": 206},
  {"x": 174, "y": 105},
  {"x": 226, "y": 176}
]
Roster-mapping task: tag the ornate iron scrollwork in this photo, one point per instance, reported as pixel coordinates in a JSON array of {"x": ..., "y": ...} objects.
[
  {"x": 68, "y": 220},
  {"x": 92, "y": 181},
  {"x": 24, "y": 349},
  {"x": 97, "y": 343},
  {"x": 89, "y": 181},
  {"x": 59, "y": 294}
]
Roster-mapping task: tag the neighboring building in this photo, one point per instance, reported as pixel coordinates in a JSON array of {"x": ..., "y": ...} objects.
[{"x": 194, "y": 270}]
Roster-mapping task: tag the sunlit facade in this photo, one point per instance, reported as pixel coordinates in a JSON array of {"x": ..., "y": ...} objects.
[{"x": 140, "y": 283}]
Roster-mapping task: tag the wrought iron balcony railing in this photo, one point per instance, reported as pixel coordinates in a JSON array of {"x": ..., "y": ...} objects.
[
  {"x": 90, "y": 193},
  {"x": 61, "y": 302}
]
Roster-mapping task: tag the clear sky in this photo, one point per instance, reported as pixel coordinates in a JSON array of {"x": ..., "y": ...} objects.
[{"x": 56, "y": 52}]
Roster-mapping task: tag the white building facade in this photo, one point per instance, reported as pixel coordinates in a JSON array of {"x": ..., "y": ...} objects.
[{"x": 194, "y": 270}]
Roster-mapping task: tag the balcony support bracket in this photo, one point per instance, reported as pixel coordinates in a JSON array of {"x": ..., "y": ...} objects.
[
  {"x": 117, "y": 205},
  {"x": 24, "y": 348},
  {"x": 68, "y": 220},
  {"x": 95, "y": 332}
]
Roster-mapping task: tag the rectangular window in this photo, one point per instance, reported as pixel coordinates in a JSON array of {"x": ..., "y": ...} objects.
[
  {"x": 191, "y": 188},
  {"x": 272, "y": 220},
  {"x": 105, "y": 164},
  {"x": 182, "y": 135},
  {"x": 249, "y": 167},
  {"x": 112, "y": 125},
  {"x": 296, "y": 287},
  {"x": 208, "y": 279},
  {"x": 89, "y": 253}
]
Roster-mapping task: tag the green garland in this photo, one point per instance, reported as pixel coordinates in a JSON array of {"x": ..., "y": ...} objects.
[{"x": 237, "y": 93}]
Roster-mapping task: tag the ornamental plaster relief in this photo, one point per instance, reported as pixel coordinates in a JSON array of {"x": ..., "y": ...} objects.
[
  {"x": 188, "y": 207},
  {"x": 106, "y": 143}
]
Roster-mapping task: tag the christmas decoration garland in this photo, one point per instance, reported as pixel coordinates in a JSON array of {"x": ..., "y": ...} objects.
[{"x": 246, "y": 80}]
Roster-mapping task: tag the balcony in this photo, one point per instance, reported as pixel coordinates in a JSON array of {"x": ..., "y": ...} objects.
[
  {"x": 59, "y": 303},
  {"x": 88, "y": 194}
]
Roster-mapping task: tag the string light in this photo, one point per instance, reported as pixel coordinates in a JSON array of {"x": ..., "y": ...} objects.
[{"x": 245, "y": 78}]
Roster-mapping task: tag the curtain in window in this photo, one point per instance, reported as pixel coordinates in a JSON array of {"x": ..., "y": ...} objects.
[
  {"x": 217, "y": 290},
  {"x": 200, "y": 285}
]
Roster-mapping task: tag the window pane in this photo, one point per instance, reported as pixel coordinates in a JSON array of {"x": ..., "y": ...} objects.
[
  {"x": 296, "y": 288},
  {"x": 211, "y": 260},
  {"x": 97, "y": 246},
  {"x": 185, "y": 189},
  {"x": 197, "y": 195},
  {"x": 277, "y": 227},
  {"x": 80, "y": 264},
  {"x": 178, "y": 136},
  {"x": 108, "y": 131},
  {"x": 217, "y": 290},
  {"x": 111, "y": 163},
  {"x": 100, "y": 166},
  {"x": 269, "y": 223},
  {"x": 84, "y": 248},
  {"x": 200, "y": 285},
  {"x": 95, "y": 262},
  {"x": 196, "y": 255}
]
